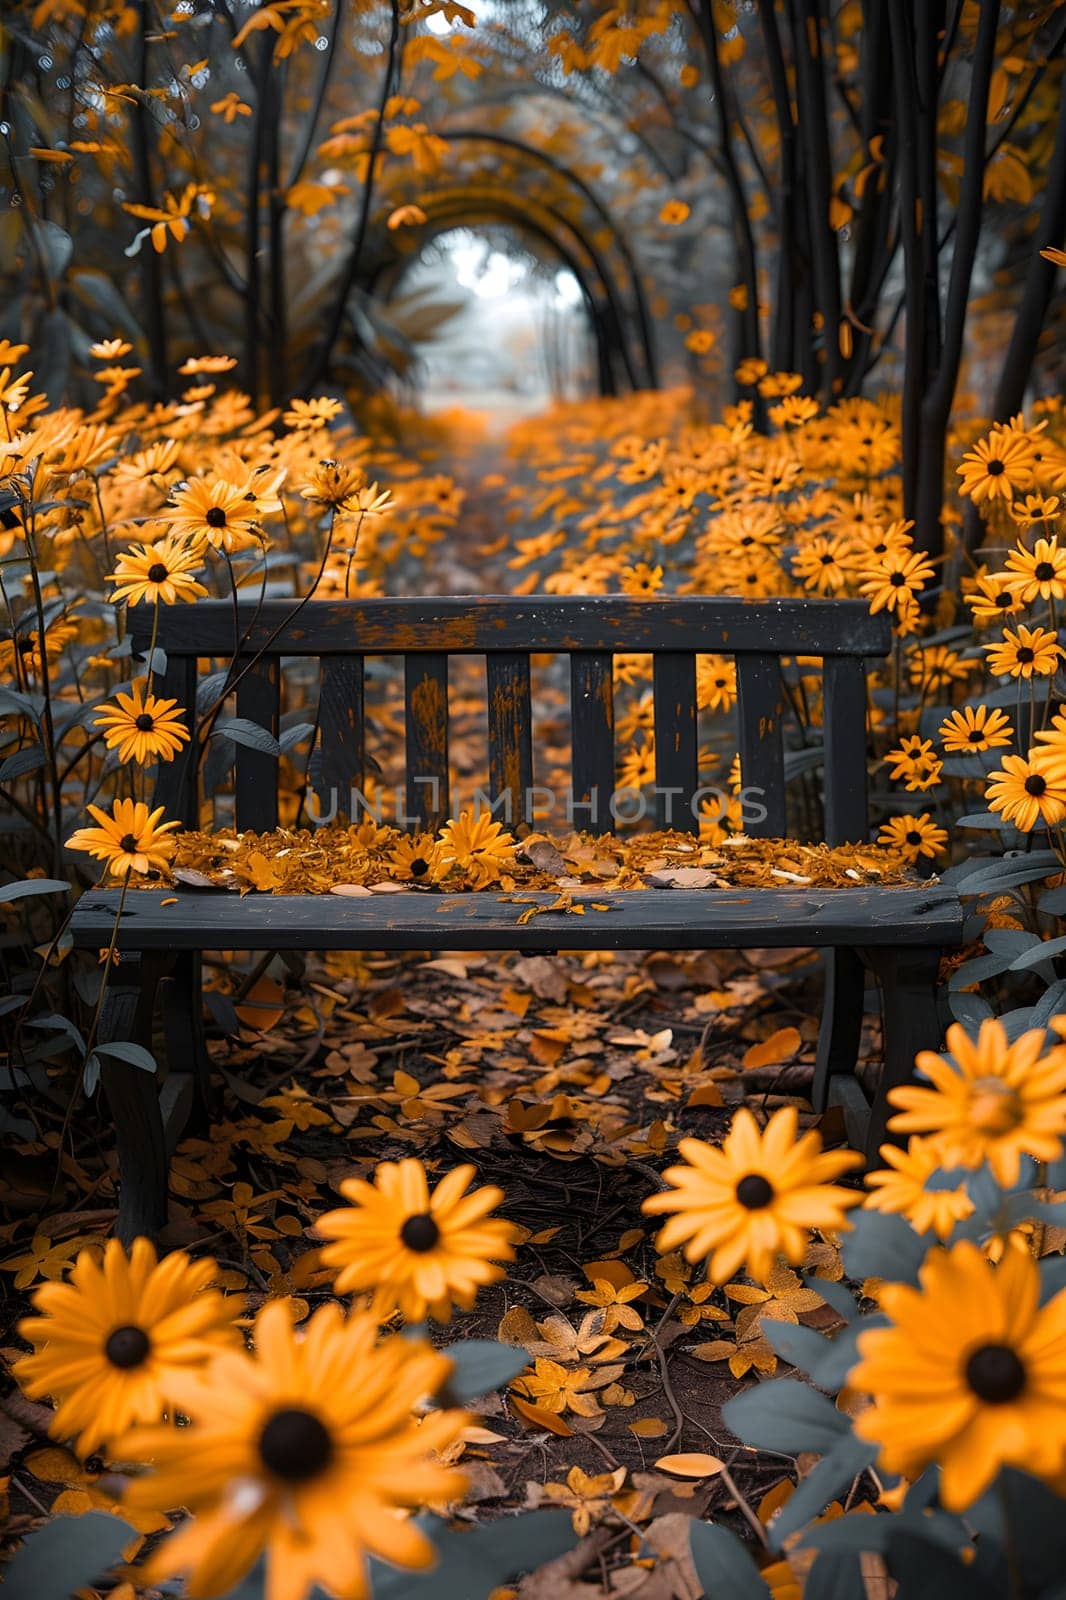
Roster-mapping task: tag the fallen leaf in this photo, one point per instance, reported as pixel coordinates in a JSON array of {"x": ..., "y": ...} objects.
[
  {"x": 694, "y": 1465},
  {"x": 540, "y": 1418},
  {"x": 779, "y": 1047}
]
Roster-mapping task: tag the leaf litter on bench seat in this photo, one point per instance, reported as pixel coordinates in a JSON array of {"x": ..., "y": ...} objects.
[{"x": 375, "y": 858}]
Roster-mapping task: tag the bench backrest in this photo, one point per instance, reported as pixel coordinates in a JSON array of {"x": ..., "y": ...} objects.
[{"x": 507, "y": 631}]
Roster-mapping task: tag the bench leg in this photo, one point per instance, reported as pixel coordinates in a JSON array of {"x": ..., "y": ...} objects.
[
  {"x": 911, "y": 1023},
  {"x": 840, "y": 1033},
  {"x": 133, "y": 1096},
  {"x": 183, "y": 1029}
]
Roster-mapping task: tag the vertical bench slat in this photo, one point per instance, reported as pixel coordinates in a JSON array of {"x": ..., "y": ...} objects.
[
  {"x": 176, "y": 781},
  {"x": 592, "y": 738},
  {"x": 844, "y": 691},
  {"x": 510, "y": 733},
  {"x": 762, "y": 763},
  {"x": 676, "y": 755},
  {"x": 341, "y": 711},
  {"x": 426, "y": 722},
  {"x": 259, "y": 700}
]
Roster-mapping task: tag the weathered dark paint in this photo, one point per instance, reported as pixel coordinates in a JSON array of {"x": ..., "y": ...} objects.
[
  {"x": 556, "y": 623},
  {"x": 638, "y": 919},
  {"x": 676, "y": 754},
  {"x": 341, "y": 722},
  {"x": 510, "y": 732},
  {"x": 258, "y": 698},
  {"x": 426, "y": 728},
  {"x": 760, "y": 702},
  {"x": 592, "y": 753}
]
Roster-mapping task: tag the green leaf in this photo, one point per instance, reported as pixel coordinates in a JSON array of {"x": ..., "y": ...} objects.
[
  {"x": 295, "y": 735},
  {"x": 96, "y": 290},
  {"x": 785, "y": 1415},
  {"x": 826, "y": 1361},
  {"x": 882, "y": 1246},
  {"x": 14, "y": 704},
  {"x": 971, "y": 1010},
  {"x": 836, "y": 1575},
  {"x": 722, "y": 1564},
  {"x": 1042, "y": 950},
  {"x": 836, "y": 1472},
  {"x": 23, "y": 761},
  {"x": 65, "y": 1555},
  {"x": 25, "y": 887},
  {"x": 1049, "y": 1005},
  {"x": 984, "y": 821},
  {"x": 473, "y": 1563},
  {"x": 481, "y": 1365},
  {"x": 134, "y": 1055},
  {"x": 837, "y": 1295},
  {"x": 242, "y": 731},
  {"x": 925, "y": 1570}
]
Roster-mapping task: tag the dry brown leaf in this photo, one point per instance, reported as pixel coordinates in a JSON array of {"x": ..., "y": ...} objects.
[
  {"x": 771, "y": 1052},
  {"x": 539, "y": 1417},
  {"x": 649, "y": 1428},
  {"x": 692, "y": 1465},
  {"x": 684, "y": 878}
]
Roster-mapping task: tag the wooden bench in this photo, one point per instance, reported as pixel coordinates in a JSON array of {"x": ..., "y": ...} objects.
[{"x": 898, "y": 933}]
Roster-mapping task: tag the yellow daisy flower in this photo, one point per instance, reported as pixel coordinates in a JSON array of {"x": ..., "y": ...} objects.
[
  {"x": 1031, "y": 792},
  {"x": 907, "y": 1185},
  {"x": 160, "y": 571},
  {"x": 756, "y": 1197},
  {"x": 990, "y": 1101},
  {"x": 308, "y": 1452},
  {"x": 971, "y": 1375},
  {"x": 111, "y": 1341},
  {"x": 1039, "y": 573},
  {"x": 1023, "y": 653},
  {"x": 975, "y": 728},
  {"x": 997, "y": 466},
  {"x": 132, "y": 839},
  {"x": 477, "y": 844},
  {"x": 418, "y": 1251},
  {"x": 143, "y": 728},
  {"x": 915, "y": 836}
]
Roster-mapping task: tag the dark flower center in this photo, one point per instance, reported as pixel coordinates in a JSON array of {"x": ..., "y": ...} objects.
[
  {"x": 127, "y": 1347},
  {"x": 157, "y": 572},
  {"x": 827, "y": 561},
  {"x": 754, "y": 1191},
  {"x": 295, "y": 1446},
  {"x": 1043, "y": 571},
  {"x": 216, "y": 517},
  {"x": 977, "y": 736},
  {"x": 1035, "y": 784},
  {"x": 995, "y": 467},
  {"x": 145, "y": 723},
  {"x": 128, "y": 843},
  {"x": 1025, "y": 654},
  {"x": 419, "y": 866},
  {"x": 897, "y": 580},
  {"x": 995, "y": 1374},
  {"x": 420, "y": 1232},
  {"x": 1004, "y": 599},
  {"x": 914, "y": 837}
]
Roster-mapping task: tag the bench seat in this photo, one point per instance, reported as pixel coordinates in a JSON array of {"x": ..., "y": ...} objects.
[{"x": 638, "y": 919}]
